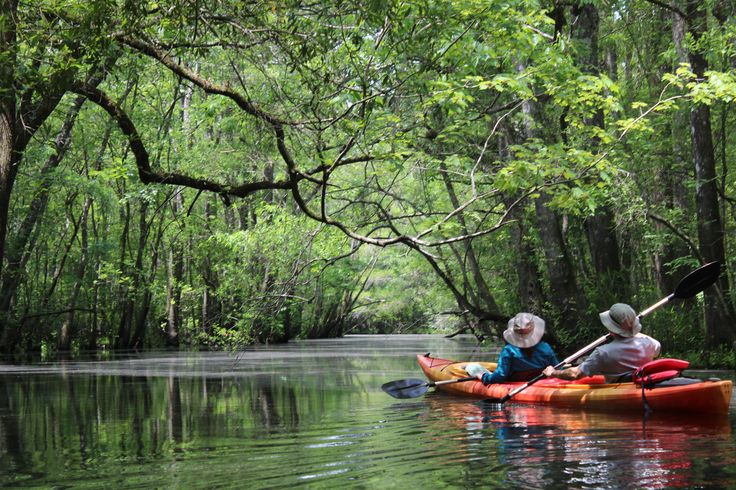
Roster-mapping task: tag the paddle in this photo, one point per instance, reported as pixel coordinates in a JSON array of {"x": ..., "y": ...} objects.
[
  {"x": 689, "y": 286},
  {"x": 412, "y": 388}
]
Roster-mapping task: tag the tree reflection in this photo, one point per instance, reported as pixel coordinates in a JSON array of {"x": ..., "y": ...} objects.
[
  {"x": 10, "y": 434},
  {"x": 175, "y": 422}
]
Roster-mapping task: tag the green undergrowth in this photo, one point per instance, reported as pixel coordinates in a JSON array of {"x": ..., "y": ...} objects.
[{"x": 722, "y": 358}]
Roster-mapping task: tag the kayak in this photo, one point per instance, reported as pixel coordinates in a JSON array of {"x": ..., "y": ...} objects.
[{"x": 677, "y": 395}]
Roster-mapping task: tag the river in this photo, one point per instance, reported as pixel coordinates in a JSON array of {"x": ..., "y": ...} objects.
[{"x": 311, "y": 414}]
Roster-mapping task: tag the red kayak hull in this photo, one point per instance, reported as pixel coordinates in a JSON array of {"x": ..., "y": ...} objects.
[{"x": 587, "y": 393}]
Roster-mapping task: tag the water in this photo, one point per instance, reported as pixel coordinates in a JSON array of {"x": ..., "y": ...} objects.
[{"x": 312, "y": 414}]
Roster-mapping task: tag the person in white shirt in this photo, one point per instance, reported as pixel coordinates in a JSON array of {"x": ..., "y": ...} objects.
[{"x": 616, "y": 360}]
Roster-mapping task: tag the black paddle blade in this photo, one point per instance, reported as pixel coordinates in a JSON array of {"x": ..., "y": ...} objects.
[
  {"x": 406, "y": 388},
  {"x": 698, "y": 280}
]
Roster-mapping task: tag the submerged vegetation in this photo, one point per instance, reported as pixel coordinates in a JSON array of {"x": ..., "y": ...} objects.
[{"x": 218, "y": 173}]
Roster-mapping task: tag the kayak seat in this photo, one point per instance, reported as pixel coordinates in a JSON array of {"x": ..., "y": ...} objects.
[{"x": 659, "y": 370}]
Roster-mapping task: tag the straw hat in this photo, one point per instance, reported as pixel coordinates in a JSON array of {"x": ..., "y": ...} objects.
[
  {"x": 524, "y": 330},
  {"x": 621, "y": 319}
]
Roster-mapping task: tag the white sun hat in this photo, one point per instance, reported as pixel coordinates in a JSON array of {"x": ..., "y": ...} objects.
[{"x": 524, "y": 330}]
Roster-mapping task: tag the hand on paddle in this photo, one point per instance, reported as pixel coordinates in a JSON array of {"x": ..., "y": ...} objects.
[
  {"x": 476, "y": 370},
  {"x": 566, "y": 372}
]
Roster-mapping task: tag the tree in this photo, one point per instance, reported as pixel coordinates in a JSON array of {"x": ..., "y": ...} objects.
[
  {"x": 484, "y": 138},
  {"x": 34, "y": 76},
  {"x": 710, "y": 231}
]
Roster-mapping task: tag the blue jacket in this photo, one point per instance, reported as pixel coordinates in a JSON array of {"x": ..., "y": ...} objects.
[{"x": 514, "y": 365}]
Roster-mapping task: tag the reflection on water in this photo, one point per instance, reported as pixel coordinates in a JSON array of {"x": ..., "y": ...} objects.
[
  {"x": 543, "y": 446},
  {"x": 312, "y": 414}
]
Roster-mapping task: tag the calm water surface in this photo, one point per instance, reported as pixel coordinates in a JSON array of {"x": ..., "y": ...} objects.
[{"x": 312, "y": 414}]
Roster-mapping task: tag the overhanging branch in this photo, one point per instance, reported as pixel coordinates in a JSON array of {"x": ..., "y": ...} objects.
[{"x": 147, "y": 175}]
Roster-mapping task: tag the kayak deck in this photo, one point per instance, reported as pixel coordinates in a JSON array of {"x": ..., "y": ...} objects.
[{"x": 589, "y": 393}]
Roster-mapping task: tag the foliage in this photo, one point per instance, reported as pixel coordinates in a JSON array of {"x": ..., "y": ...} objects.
[
  {"x": 394, "y": 154},
  {"x": 723, "y": 358}
]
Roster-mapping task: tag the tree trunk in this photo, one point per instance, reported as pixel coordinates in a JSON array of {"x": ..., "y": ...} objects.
[
  {"x": 9, "y": 158},
  {"x": 529, "y": 288},
  {"x": 718, "y": 325},
  {"x": 175, "y": 280},
  {"x": 210, "y": 305},
  {"x": 670, "y": 190},
  {"x": 95, "y": 333},
  {"x": 567, "y": 300},
  {"x": 122, "y": 339},
  {"x": 21, "y": 245},
  {"x": 600, "y": 228},
  {"x": 95, "y": 322},
  {"x": 531, "y": 297},
  {"x": 563, "y": 291},
  {"x": 483, "y": 292},
  {"x": 66, "y": 332},
  {"x": 141, "y": 292},
  {"x": 71, "y": 226}
]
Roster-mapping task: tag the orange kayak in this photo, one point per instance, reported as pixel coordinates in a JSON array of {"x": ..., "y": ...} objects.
[{"x": 679, "y": 395}]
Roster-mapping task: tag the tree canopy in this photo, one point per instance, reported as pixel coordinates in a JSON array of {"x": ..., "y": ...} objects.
[{"x": 209, "y": 172}]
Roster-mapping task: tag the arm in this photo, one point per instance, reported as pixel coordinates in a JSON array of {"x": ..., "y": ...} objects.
[
  {"x": 570, "y": 374},
  {"x": 503, "y": 369},
  {"x": 591, "y": 365}
]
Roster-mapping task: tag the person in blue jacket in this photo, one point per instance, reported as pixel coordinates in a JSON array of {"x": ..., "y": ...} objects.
[{"x": 523, "y": 357}]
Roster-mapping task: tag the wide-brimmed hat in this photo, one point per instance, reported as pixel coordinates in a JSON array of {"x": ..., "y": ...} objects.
[
  {"x": 524, "y": 330},
  {"x": 621, "y": 319}
]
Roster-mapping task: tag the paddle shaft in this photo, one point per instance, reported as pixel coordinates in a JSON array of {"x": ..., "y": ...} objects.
[
  {"x": 656, "y": 305},
  {"x": 450, "y": 381}
]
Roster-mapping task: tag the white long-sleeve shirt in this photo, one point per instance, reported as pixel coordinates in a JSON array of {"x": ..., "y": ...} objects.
[{"x": 621, "y": 356}]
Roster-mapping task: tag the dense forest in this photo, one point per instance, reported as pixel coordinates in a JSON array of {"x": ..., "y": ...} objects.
[{"x": 214, "y": 173}]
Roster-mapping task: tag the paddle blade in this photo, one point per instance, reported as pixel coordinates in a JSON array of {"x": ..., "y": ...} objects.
[
  {"x": 406, "y": 388},
  {"x": 698, "y": 280}
]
